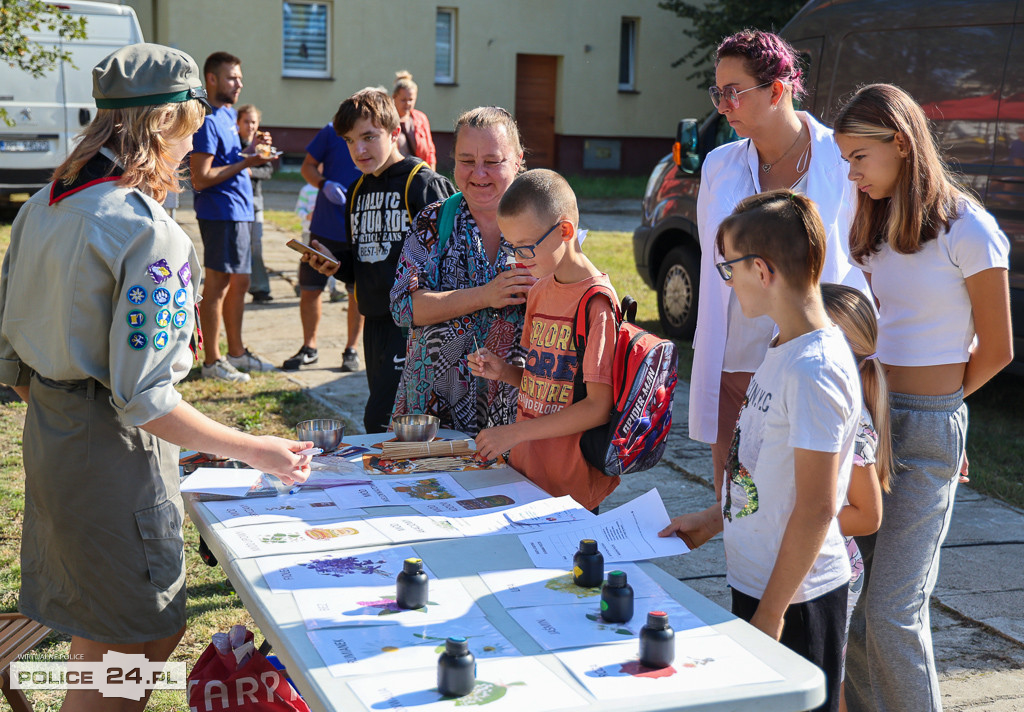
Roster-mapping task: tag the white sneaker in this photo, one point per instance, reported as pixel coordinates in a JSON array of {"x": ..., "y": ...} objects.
[
  {"x": 249, "y": 361},
  {"x": 224, "y": 371}
]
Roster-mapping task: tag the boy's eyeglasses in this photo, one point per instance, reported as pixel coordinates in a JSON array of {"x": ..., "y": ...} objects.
[
  {"x": 527, "y": 251},
  {"x": 725, "y": 268},
  {"x": 730, "y": 95}
]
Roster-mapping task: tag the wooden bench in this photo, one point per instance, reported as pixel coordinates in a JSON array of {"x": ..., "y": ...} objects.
[{"x": 18, "y": 635}]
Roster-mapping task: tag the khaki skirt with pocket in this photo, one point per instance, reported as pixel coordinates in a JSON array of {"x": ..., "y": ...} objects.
[{"x": 102, "y": 554}]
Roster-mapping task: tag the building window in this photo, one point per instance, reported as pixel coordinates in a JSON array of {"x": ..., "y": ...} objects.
[
  {"x": 306, "y": 39},
  {"x": 627, "y": 54},
  {"x": 444, "y": 47}
]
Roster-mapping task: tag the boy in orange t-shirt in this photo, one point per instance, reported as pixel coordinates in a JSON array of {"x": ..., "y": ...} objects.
[{"x": 544, "y": 440}]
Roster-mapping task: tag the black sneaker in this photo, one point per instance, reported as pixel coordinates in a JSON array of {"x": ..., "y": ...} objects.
[
  {"x": 305, "y": 357},
  {"x": 350, "y": 361},
  {"x": 262, "y": 298}
]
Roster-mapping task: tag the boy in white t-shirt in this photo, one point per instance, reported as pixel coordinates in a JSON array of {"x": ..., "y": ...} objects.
[{"x": 789, "y": 464}]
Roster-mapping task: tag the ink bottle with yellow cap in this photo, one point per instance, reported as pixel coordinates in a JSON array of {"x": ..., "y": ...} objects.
[
  {"x": 411, "y": 586},
  {"x": 588, "y": 565}
]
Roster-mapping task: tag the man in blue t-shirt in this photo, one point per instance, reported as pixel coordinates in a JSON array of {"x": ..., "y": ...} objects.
[
  {"x": 224, "y": 209},
  {"x": 328, "y": 167}
]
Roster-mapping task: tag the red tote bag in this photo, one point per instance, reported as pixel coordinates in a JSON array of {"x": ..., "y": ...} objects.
[{"x": 240, "y": 678}]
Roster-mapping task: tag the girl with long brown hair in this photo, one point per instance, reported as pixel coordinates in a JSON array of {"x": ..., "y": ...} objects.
[{"x": 937, "y": 265}]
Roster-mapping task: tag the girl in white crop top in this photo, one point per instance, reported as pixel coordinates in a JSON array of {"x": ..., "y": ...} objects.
[{"x": 937, "y": 264}]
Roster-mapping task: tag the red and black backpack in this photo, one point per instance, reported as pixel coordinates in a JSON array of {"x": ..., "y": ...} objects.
[{"x": 643, "y": 383}]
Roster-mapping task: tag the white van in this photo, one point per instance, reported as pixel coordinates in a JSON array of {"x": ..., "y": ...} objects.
[{"x": 49, "y": 111}]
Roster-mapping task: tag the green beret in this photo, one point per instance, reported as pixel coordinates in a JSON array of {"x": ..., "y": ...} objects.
[{"x": 147, "y": 74}]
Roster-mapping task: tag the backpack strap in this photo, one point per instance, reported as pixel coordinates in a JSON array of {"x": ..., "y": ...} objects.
[
  {"x": 579, "y": 333},
  {"x": 446, "y": 221},
  {"x": 408, "y": 182},
  {"x": 355, "y": 189}
]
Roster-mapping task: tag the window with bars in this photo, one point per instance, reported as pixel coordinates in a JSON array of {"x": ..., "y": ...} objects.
[
  {"x": 627, "y": 54},
  {"x": 444, "y": 47},
  {"x": 306, "y": 33}
]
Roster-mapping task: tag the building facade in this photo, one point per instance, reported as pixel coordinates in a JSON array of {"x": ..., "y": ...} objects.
[{"x": 591, "y": 82}]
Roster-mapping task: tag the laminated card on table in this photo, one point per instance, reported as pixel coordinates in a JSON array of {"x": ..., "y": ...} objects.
[{"x": 627, "y": 533}]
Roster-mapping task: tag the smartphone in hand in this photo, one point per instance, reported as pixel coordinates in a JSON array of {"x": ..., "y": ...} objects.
[{"x": 304, "y": 249}]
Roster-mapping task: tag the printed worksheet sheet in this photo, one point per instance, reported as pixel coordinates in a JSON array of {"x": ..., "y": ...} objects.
[
  {"x": 626, "y": 533},
  {"x": 361, "y": 567},
  {"x": 506, "y": 522},
  {"x": 484, "y": 500},
  {"x": 552, "y": 587},
  {"x": 369, "y": 649},
  {"x": 502, "y": 685},
  {"x": 428, "y": 488},
  {"x": 701, "y": 662},
  {"x": 304, "y": 506},
  {"x": 447, "y": 600},
  {"x": 415, "y": 527},
  {"x": 297, "y": 537},
  {"x": 580, "y": 624}
]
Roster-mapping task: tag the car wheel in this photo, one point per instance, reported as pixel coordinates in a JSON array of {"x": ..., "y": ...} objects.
[{"x": 678, "y": 282}]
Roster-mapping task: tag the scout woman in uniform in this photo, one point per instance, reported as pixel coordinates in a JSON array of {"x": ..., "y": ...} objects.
[{"x": 97, "y": 309}]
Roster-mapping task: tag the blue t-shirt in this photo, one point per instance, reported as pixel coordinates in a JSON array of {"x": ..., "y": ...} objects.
[
  {"x": 331, "y": 150},
  {"x": 230, "y": 199}
]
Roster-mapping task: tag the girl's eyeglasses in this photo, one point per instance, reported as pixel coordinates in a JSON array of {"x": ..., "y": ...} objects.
[
  {"x": 527, "y": 251},
  {"x": 730, "y": 95},
  {"x": 725, "y": 268}
]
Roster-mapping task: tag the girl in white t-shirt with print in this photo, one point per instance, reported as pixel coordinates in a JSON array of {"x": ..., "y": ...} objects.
[
  {"x": 861, "y": 514},
  {"x": 937, "y": 264}
]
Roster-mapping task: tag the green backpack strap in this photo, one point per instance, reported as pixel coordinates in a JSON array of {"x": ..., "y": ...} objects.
[{"x": 446, "y": 222}]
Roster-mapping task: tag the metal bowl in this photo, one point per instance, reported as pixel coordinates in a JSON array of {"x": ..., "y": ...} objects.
[
  {"x": 324, "y": 432},
  {"x": 415, "y": 427}
]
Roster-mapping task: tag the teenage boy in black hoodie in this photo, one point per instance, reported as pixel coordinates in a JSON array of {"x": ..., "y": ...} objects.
[{"x": 381, "y": 206}]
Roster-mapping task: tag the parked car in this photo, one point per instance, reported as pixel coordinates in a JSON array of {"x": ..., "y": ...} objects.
[
  {"x": 50, "y": 110},
  {"x": 965, "y": 68}
]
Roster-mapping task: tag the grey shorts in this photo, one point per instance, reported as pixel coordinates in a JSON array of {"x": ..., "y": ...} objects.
[{"x": 227, "y": 245}]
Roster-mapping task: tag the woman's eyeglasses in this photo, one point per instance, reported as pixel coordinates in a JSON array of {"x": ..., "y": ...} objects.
[
  {"x": 730, "y": 95},
  {"x": 527, "y": 251},
  {"x": 725, "y": 268}
]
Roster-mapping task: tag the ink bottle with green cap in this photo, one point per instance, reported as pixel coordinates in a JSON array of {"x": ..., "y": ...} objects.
[
  {"x": 588, "y": 565},
  {"x": 456, "y": 668},
  {"x": 411, "y": 585},
  {"x": 657, "y": 641},
  {"x": 616, "y": 598}
]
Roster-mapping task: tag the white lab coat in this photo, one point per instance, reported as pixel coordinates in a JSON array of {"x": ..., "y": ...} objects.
[{"x": 730, "y": 174}]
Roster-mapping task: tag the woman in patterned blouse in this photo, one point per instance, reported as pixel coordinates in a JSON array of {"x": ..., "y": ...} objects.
[{"x": 463, "y": 293}]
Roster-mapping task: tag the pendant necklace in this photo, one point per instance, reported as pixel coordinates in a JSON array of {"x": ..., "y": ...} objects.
[{"x": 767, "y": 167}]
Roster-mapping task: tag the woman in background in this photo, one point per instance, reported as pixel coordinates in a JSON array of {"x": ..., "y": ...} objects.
[{"x": 415, "y": 139}]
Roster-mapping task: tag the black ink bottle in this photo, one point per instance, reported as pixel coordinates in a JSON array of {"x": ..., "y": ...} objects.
[
  {"x": 616, "y": 598},
  {"x": 588, "y": 565},
  {"x": 412, "y": 585},
  {"x": 456, "y": 669},
  {"x": 657, "y": 641}
]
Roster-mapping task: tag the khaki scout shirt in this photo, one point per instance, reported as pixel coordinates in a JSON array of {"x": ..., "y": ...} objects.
[{"x": 101, "y": 284}]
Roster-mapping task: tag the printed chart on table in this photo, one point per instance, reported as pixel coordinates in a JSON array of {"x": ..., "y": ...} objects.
[
  {"x": 502, "y": 685},
  {"x": 447, "y": 600},
  {"x": 627, "y": 533},
  {"x": 702, "y": 662},
  {"x": 305, "y": 506},
  {"x": 352, "y": 567},
  {"x": 368, "y": 649}
]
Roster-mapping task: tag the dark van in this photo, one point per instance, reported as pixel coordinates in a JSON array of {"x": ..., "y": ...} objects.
[{"x": 964, "y": 63}]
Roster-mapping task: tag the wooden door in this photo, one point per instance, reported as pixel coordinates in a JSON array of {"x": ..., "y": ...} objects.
[{"x": 536, "y": 78}]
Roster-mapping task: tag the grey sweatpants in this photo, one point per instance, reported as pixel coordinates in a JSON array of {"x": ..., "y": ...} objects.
[{"x": 889, "y": 659}]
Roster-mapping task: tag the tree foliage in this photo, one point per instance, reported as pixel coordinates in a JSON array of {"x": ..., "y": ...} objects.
[
  {"x": 714, "y": 20},
  {"x": 18, "y": 18}
]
